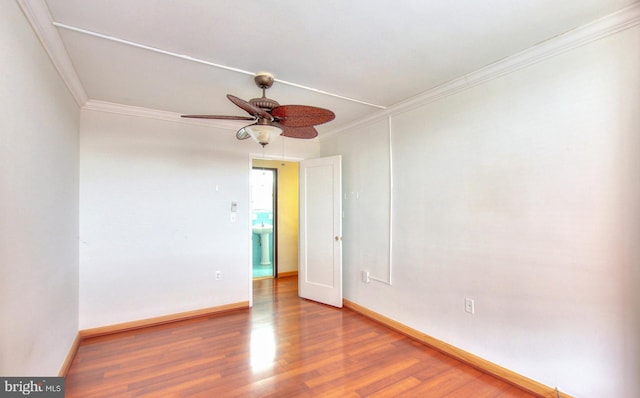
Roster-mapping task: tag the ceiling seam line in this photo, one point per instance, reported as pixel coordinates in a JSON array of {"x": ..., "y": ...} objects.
[
  {"x": 149, "y": 48},
  {"x": 201, "y": 61},
  {"x": 330, "y": 94}
]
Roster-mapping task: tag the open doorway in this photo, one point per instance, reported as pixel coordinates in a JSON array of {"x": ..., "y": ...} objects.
[
  {"x": 284, "y": 238},
  {"x": 264, "y": 182}
]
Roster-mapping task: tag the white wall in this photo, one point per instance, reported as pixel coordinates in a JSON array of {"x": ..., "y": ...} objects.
[
  {"x": 155, "y": 201},
  {"x": 38, "y": 205},
  {"x": 522, "y": 194}
]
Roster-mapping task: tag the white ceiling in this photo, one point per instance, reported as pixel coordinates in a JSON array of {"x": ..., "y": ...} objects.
[{"x": 377, "y": 51}]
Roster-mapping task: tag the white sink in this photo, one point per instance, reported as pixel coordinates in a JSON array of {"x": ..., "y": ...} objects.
[{"x": 262, "y": 228}]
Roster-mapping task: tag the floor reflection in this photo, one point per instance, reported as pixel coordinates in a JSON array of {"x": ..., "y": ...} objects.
[{"x": 263, "y": 348}]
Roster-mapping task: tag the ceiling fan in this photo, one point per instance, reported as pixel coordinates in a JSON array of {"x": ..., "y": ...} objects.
[{"x": 295, "y": 121}]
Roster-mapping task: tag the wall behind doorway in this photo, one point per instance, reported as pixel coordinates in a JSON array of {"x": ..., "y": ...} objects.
[{"x": 287, "y": 212}]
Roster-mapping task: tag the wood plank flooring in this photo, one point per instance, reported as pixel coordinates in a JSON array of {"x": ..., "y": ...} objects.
[{"x": 283, "y": 347}]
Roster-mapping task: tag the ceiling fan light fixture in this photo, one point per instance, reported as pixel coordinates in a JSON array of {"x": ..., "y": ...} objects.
[{"x": 261, "y": 133}]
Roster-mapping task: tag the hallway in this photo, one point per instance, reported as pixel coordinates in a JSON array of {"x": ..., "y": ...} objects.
[{"x": 283, "y": 347}]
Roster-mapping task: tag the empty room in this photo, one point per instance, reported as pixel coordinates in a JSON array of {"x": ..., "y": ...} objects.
[{"x": 320, "y": 198}]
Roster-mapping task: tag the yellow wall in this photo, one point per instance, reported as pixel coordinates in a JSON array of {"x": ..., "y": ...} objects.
[{"x": 287, "y": 212}]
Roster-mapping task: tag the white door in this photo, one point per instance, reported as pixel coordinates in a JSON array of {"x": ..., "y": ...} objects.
[{"x": 320, "y": 265}]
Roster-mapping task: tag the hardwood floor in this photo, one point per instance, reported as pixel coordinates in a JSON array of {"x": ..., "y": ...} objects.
[{"x": 283, "y": 347}]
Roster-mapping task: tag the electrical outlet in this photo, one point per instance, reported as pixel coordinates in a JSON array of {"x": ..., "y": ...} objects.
[
  {"x": 218, "y": 275},
  {"x": 469, "y": 305},
  {"x": 365, "y": 277}
]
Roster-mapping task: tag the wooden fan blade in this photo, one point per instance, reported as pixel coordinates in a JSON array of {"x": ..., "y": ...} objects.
[
  {"x": 307, "y": 132},
  {"x": 250, "y": 109},
  {"x": 223, "y": 117},
  {"x": 301, "y": 115}
]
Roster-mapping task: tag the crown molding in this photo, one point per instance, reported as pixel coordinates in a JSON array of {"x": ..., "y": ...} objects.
[
  {"x": 128, "y": 110},
  {"x": 598, "y": 29},
  {"x": 605, "y": 26},
  {"x": 38, "y": 15}
]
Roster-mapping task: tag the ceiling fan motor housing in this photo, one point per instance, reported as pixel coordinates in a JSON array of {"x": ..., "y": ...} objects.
[{"x": 264, "y": 103}]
